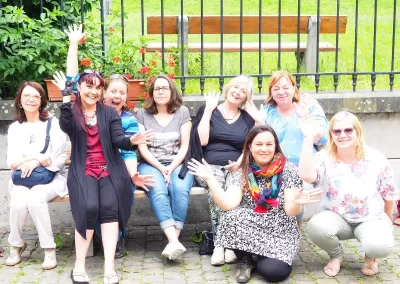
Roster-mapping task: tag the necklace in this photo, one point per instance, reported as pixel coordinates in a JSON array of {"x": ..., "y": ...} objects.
[
  {"x": 89, "y": 118},
  {"x": 223, "y": 114}
]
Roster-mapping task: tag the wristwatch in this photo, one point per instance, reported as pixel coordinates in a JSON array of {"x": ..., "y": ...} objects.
[{"x": 69, "y": 85}]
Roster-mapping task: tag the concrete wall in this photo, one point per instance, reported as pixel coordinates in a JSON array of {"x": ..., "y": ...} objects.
[{"x": 378, "y": 111}]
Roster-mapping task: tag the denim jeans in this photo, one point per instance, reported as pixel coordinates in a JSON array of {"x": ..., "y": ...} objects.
[
  {"x": 98, "y": 228},
  {"x": 169, "y": 202}
]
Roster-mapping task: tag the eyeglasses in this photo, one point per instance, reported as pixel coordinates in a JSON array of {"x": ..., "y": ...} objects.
[
  {"x": 164, "y": 89},
  {"x": 90, "y": 71},
  {"x": 34, "y": 98},
  {"x": 285, "y": 88},
  {"x": 118, "y": 76},
  {"x": 347, "y": 131}
]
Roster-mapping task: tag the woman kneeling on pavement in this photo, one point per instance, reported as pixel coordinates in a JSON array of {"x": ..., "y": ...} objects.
[
  {"x": 359, "y": 193},
  {"x": 260, "y": 205}
]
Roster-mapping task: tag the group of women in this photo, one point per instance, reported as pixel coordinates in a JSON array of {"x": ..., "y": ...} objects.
[{"x": 259, "y": 168}]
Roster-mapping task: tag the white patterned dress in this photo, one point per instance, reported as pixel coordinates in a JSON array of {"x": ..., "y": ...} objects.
[{"x": 273, "y": 234}]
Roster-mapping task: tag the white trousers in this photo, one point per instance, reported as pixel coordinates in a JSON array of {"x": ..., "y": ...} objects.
[{"x": 32, "y": 201}]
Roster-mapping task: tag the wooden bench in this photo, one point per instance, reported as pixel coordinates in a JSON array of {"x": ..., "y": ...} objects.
[{"x": 231, "y": 25}]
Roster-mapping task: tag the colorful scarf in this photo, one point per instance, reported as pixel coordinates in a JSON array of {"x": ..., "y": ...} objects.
[{"x": 270, "y": 190}]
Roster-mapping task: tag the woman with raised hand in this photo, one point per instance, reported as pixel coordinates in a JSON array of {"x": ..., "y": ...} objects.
[
  {"x": 26, "y": 151},
  {"x": 359, "y": 193},
  {"x": 285, "y": 110},
  {"x": 218, "y": 134},
  {"x": 260, "y": 201},
  {"x": 163, "y": 157},
  {"x": 98, "y": 182},
  {"x": 115, "y": 95}
]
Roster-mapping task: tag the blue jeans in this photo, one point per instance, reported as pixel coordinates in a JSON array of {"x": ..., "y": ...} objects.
[
  {"x": 125, "y": 232},
  {"x": 169, "y": 202}
]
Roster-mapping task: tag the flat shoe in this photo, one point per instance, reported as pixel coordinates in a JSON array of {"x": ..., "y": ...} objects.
[
  {"x": 14, "y": 259},
  {"x": 370, "y": 267},
  {"x": 79, "y": 274},
  {"x": 332, "y": 270},
  {"x": 111, "y": 278}
]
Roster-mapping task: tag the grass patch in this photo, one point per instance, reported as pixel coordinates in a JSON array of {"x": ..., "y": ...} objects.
[
  {"x": 346, "y": 60},
  {"x": 59, "y": 242}
]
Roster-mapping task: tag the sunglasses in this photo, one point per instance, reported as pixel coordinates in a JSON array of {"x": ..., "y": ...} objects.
[
  {"x": 347, "y": 131},
  {"x": 90, "y": 71},
  {"x": 118, "y": 76}
]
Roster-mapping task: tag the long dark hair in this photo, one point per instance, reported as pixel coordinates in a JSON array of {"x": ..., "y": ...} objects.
[
  {"x": 174, "y": 103},
  {"x": 20, "y": 112},
  {"x": 77, "y": 110},
  {"x": 248, "y": 157}
]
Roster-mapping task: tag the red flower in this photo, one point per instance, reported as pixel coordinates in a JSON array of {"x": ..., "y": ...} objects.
[
  {"x": 82, "y": 41},
  {"x": 144, "y": 70},
  {"x": 171, "y": 75},
  {"x": 131, "y": 105},
  {"x": 149, "y": 80},
  {"x": 116, "y": 59},
  {"x": 127, "y": 76},
  {"x": 146, "y": 95},
  {"x": 154, "y": 63},
  {"x": 171, "y": 63},
  {"x": 142, "y": 50},
  {"x": 86, "y": 62},
  {"x": 111, "y": 30}
]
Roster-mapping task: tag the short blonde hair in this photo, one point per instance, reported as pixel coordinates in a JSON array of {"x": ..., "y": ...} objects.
[
  {"x": 332, "y": 148},
  {"x": 275, "y": 77},
  {"x": 241, "y": 79}
]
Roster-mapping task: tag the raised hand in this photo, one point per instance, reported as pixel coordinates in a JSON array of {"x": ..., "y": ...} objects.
[
  {"x": 202, "y": 170},
  {"x": 143, "y": 137},
  {"x": 143, "y": 180},
  {"x": 302, "y": 108},
  {"x": 211, "y": 100},
  {"x": 75, "y": 33},
  {"x": 59, "y": 80},
  {"x": 257, "y": 115},
  {"x": 303, "y": 197}
]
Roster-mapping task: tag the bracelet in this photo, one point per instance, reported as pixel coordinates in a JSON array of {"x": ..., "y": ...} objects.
[{"x": 69, "y": 85}]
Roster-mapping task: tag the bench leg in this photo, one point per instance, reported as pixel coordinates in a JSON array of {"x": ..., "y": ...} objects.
[
  {"x": 300, "y": 57},
  {"x": 183, "y": 38},
  {"x": 310, "y": 59}
]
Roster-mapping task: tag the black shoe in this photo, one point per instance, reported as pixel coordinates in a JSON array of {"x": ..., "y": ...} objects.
[
  {"x": 243, "y": 272},
  {"x": 121, "y": 248}
]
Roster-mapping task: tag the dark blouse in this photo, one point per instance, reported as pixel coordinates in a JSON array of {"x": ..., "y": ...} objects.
[{"x": 226, "y": 140}]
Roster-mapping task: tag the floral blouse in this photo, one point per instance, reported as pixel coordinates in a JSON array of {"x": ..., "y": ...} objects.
[{"x": 356, "y": 192}]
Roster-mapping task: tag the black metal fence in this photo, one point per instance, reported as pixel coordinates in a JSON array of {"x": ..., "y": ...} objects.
[{"x": 308, "y": 55}]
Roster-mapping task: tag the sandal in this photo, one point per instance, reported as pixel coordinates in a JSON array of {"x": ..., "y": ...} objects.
[
  {"x": 370, "y": 267},
  {"x": 84, "y": 275},
  {"x": 332, "y": 268},
  {"x": 111, "y": 278}
]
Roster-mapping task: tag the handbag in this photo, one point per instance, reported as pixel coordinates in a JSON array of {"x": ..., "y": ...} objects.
[
  {"x": 206, "y": 246},
  {"x": 40, "y": 175},
  {"x": 398, "y": 216}
]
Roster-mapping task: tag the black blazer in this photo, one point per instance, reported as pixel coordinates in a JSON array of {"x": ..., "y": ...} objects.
[
  {"x": 111, "y": 137},
  {"x": 195, "y": 149}
]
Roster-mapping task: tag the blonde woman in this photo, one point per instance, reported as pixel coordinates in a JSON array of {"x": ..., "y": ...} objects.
[{"x": 359, "y": 193}]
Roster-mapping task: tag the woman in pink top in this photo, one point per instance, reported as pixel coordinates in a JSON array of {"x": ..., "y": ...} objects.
[{"x": 359, "y": 193}]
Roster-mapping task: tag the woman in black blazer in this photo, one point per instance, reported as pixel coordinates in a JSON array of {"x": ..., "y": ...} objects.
[{"x": 98, "y": 182}]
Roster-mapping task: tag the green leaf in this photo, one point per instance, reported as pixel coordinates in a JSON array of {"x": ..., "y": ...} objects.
[{"x": 41, "y": 69}]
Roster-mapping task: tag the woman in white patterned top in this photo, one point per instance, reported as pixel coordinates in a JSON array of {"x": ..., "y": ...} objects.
[{"x": 359, "y": 193}]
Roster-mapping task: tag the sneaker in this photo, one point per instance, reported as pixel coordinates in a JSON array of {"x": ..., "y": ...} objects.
[
  {"x": 243, "y": 272},
  {"x": 121, "y": 248},
  {"x": 15, "y": 255},
  {"x": 230, "y": 256},
  {"x": 218, "y": 257},
  {"x": 50, "y": 260},
  {"x": 173, "y": 250}
]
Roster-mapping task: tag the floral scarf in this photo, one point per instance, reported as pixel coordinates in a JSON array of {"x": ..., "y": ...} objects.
[{"x": 270, "y": 190}]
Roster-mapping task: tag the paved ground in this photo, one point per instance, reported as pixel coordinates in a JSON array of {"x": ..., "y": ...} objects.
[{"x": 143, "y": 264}]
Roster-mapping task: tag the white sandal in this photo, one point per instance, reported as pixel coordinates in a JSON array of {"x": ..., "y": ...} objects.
[{"x": 111, "y": 278}]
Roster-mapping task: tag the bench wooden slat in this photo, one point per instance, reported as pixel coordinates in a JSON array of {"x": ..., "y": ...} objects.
[
  {"x": 231, "y": 23},
  {"x": 247, "y": 47},
  {"x": 138, "y": 194}
]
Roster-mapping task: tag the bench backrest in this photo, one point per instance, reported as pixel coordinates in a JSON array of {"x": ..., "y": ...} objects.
[{"x": 231, "y": 23}]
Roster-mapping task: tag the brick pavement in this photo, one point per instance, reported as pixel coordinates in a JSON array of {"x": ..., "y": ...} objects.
[{"x": 143, "y": 263}]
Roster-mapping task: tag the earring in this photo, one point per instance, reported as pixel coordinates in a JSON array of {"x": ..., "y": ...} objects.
[{"x": 20, "y": 106}]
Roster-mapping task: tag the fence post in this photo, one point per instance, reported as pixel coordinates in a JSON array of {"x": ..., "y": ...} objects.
[
  {"x": 108, "y": 6},
  {"x": 310, "y": 60},
  {"x": 184, "y": 33}
]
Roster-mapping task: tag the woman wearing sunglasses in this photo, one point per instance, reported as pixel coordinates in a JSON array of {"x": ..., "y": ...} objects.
[
  {"x": 169, "y": 197},
  {"x": 114, "y": 95},
  {"x": 285, "y": 110},
  {"x": 359, "y": 193},
  {"x": 98, "y": 182}
]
